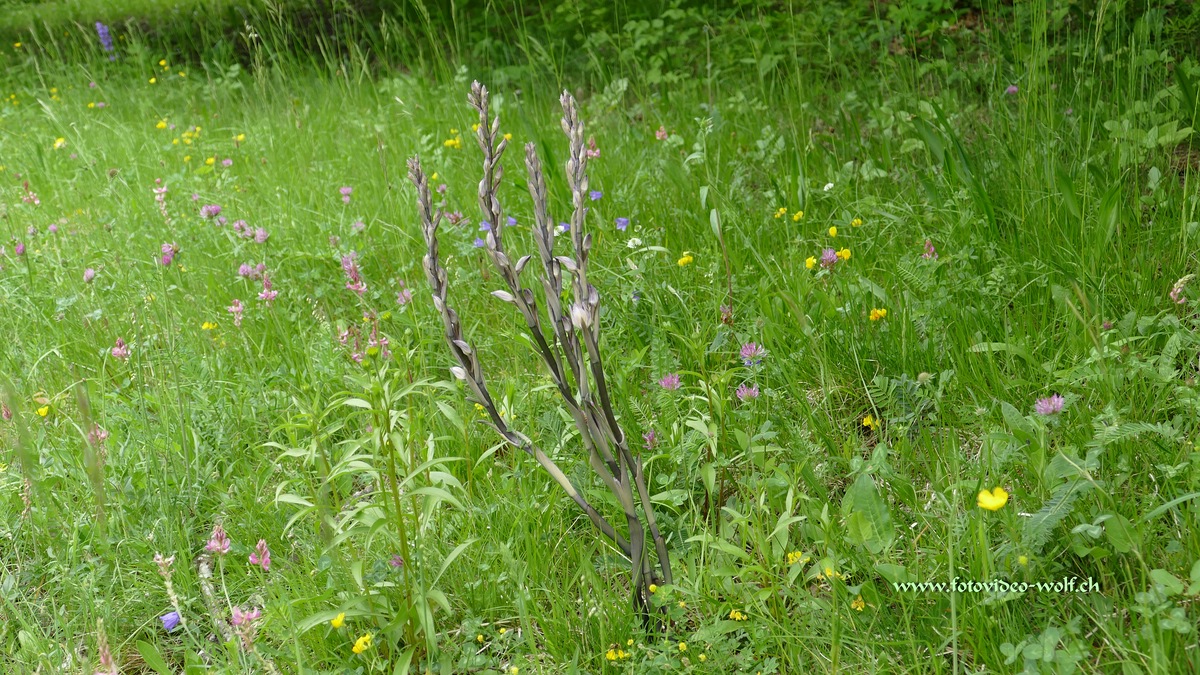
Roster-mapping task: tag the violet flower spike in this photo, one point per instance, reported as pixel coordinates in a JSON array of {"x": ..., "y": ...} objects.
[
  {"x": 218, "y": 541},
  {"x": 261, "y": 555}
]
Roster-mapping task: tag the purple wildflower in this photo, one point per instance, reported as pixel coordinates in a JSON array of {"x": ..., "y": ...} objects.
[
  {"x": 403, "y": 296},
  {"x": 218, "y": 541},
  {"x": 358, "y": 226},
  {"x": 236, "y": 310},
  {"x": 88, "y": 275},
  {"x": 346, "y": 194},
  {"x": 210, "y": 210},
  {"x": 261, "y": 555},
  {"x": 105, "y": 38},
  {"x": 592, "y": 151},
  {"x": 669, "y": 381},
  {"x": 479, "y": 243},
  {"x": 441, "y": 188},
  {"x": 227, "y": 162},
  {"x": 396, "y": 561},
  {"x": 354, "y": 282},
  {"x": 752, "y": 354},
  {"x": 97, "y": 435},
  {"x": 622, "y": 223},
  {"x": 595, "y": 195},
  {"x": 746, "y": 392},
  {"x": 241, "y": 618},
  {"x": 1051, "y": 405},
  {"x": 169, "y": 251},
  {"x": 485, "y": 226},
  {"x": 245, "y": 270},
  {"x": 829, "y": 258},
  {"x": 267, "y": 295},
  {"x": 261, "y": 236},
  {"x": 19, "y": 248},
  {"x": 1107, "y": 325},
  {"x": 169, "y": 621},
  {"x": 565, "y": 227},
  {"x": 512, "y": 221},
  {"x": 120, "y": 350},
  {"x": 1012, "y": 89},
  {"x": 930, "y": 252},
  {"x": 53, "y": 229},
  {"x": 650, "y": 439}
]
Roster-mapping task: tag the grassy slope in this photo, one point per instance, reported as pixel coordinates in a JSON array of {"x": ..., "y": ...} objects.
[{"x": 1011, "y": 311}]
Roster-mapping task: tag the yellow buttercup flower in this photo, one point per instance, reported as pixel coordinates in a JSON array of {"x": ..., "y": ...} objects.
[
  {"x": 508, "y": 137},
  {"x": 797, "y": 216},
  {"x": 503, "y": 631},
  {"x": 844, "y": 254},
  {"x": 210, "y": 161},
  {"x": 361, "y": 644},
  {"x": 877, "y": 314},
  {"x": 240, "y": 138},
  {"x": 810, "y": 263},
  {"x": 182, "y": 74},
  {"x": 833, "y": 231},
  {"x": 434, "y": 176},
  {"x": 653, "y": 588},
  {"x": 514, "y": 670},
  {"x": 16, "y": 45},
  {"x": 993, "y": 500},
  {"x": 686, "y": 259},
  {"x": 162, "y": 124},
  {"x": 858, "y": 604},
  {"x": 857, "y": 222},
  {"x": 153, "y": 80},
  {"x": 91, "y": 104},
  {"x": 43, "y": 411},
  {"x": 338, "y": 621},
  {"x": 474, "y": 127},
  {"x": 162, "y": 62}
]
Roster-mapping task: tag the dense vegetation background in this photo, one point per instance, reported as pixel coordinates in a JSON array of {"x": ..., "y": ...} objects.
[{"x": 892, "y": 293}]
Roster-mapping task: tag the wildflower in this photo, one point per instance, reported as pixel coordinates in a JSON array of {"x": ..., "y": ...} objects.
[
  {"x": 354, "y": 282},
  {"x": 169, "y": 251},
  {"x": 442, "y": 188},
  {"x": 43, "y": 411},
  {"x": 1176, "y": 293},
  {"x": 1106, "y": 326},
  {"x": 726, "y": 314},
  {"x": 993, "y": 500},
  {"x": 703, "y": 658},
  {"x": 361, "y": 644},
  {"x": 781, "y": 212},
  {"x": 1051, "y": 405},
  {"x": 810, "y": 263},
  {"x": 211, "y": 211},
  {"x": 797, "y": 216},
  {"x": 622, "y": 223},
  {"x": 746, "y": 392},
  {"x": 592, "y": 152},
  {"x": 244, "y": 618},
  {"x": 236, "y": 310},
  {"x": 634, "y": 242},
  {"x": 358, "y": 226},
  {"x": 261, "y": 236},
  {"x": 1012, "y": 89},
  {"x": 858, "y": 604},
  {"x": 514, "y": 670},
  {"x": 162, "y": 124},
  {"x": 169, "y": 621},
  {"x": 455, "y": 143},
  {"x": 53, "y": 229},
  {"x": 97, "y": 435},
  {"x": 218, "y": 541},
  {"x": 595, "y": 195},
  {"x": 60, "y": 143},
  {"x": 669, "y": 382},
  {"x": 871, "y": 422},
  {"x": 661, "y": 134},
  {"x": 508, "y": 137},
  {"x": 795, "y": 557},
  {"x": 162, "y": 62},
  {"x": 479, "y": 638},
  {"x": 346, "y": 194},
  {"x": 88, "y": 275},
  {"x": 210, "y": 161},
  {"x": 208, "y": 325},
  {"x": 108, "y": 666},
  {"x": 829, "y": 258},
  {"x": 119, "y": 350},
  {"x": 833, "y": 231},
  {"x": 403, "y": 296},
  {"x": 261, "y": 555},
  {"x": 683, "y": 646},
  {"x": 828, "y": 187},
  {"x": 930, "y": 252},
  {"x": 857, "y": 222},
  {"x": 338, "y": 621},
  {"x": 16, "y": 45},
  {"x": 267, "y": 295},
  {"x": 6, "y": 412},
  {"x": 479, "y": 243},
  {"x": 686, "y": 259},
  {"x": 752, "y": 354},
  {"x": 153, "y": 80},
  {"x": 650, "y": 439},
  {"x": 877, "y": 314},
  {"x": 1022, "y": 560},
  {"x": 737, "y": 615},
  {"x": 844, "y": 254},
  {"x": 227, "y": 162},
  {"x": 653, "y": 588},
  {"x": 396, "y": 561},
  {"x": 105, "y": 38}
]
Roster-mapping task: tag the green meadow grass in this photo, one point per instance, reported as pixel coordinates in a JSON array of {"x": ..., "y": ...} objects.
[{"x": 1062, "y": 215}]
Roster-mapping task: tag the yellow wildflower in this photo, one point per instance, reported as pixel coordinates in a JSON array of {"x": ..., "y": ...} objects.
[
  {"x": 993, "y": 500},
  {"x": 455, "y": 143},
  {"x": 153, "y": 80},
  {"x": 514, "y": 670},
  {"x": 737, "y": 615},
  {"x": 162, "y": 124},
  {"x": 240, "y": 138},
  {"x": 187, "y": 158},
  {"x": 858, "y": 604},
  {"x": 1022, "y": 560},
  {"x": 686, "y": 259},
  {"x": 208, "y": 325},
  {"x": 797, "y": 216},
  {"x": 611, "y": 655},
  {"x": 338, "y": 621},
  {"x": 871, "y": 423},
  {"x": 43, "y": 411},
  {"x": 877, "y": 314},
  {"x": 16, "y": 45},
  {"x": 162, "y": 62},
  {"x": 91, "y": 104},
  {"x": 210, "y": 161},
  {"x": 682, "y": 604},
  {"x": 703, "y": 658},
  {"x": 629, "y": 642},
  {"x": 781, "y": 212},
  {"x": 795, "y": 557},
  {"x": 182, "y": 74},
  {"x": 844, "y": 254},
  {"x": 59, "y": 143},
  {"x": 810, "y": 263},
  {"x": 653, "y": 588},
  {"x": 434, "y": 176},
  {"x": 362, "y": 644},
  {"x": 479, "y": 638},
  {"x": 503, "y": 631},
  {"x": 474, "y": 127},
  {"x": 833, "y": 230},
  {"x": 508, "y": 137},
  {"x": 683, "y": 646},
  {"x": 857, "y": 222}
]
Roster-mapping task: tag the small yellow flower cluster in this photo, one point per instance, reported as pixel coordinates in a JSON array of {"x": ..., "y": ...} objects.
[
  {"x": 60, "y": 143},
  {"x": 738, "y": 615},
  {"x": 795, "y": 219},
  {"x": 616, "y": 654},
  {"x": 871, "y": 423},
  {"x": 857, "y": 222},
  {"x": 829, "y": 573},
  {"x": 683, "y": 646},
  {"x": 209, "y": 325},
  {"x": 858, "y": 604},
  {"x": 240, "y": 138},
  {"x": 686, "y": 259},
  {"x": 362, "y": 644},
  {"x": 43, "y": 411},
  {"x": 796, "y": 557},
  {"x": 455, "y": 142},
  {"x": 844, "y": 254},
  {"x": 781, "y": 212},
  {"x": 162, "y": 124},
  {"x": 877, "y": 314}
]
